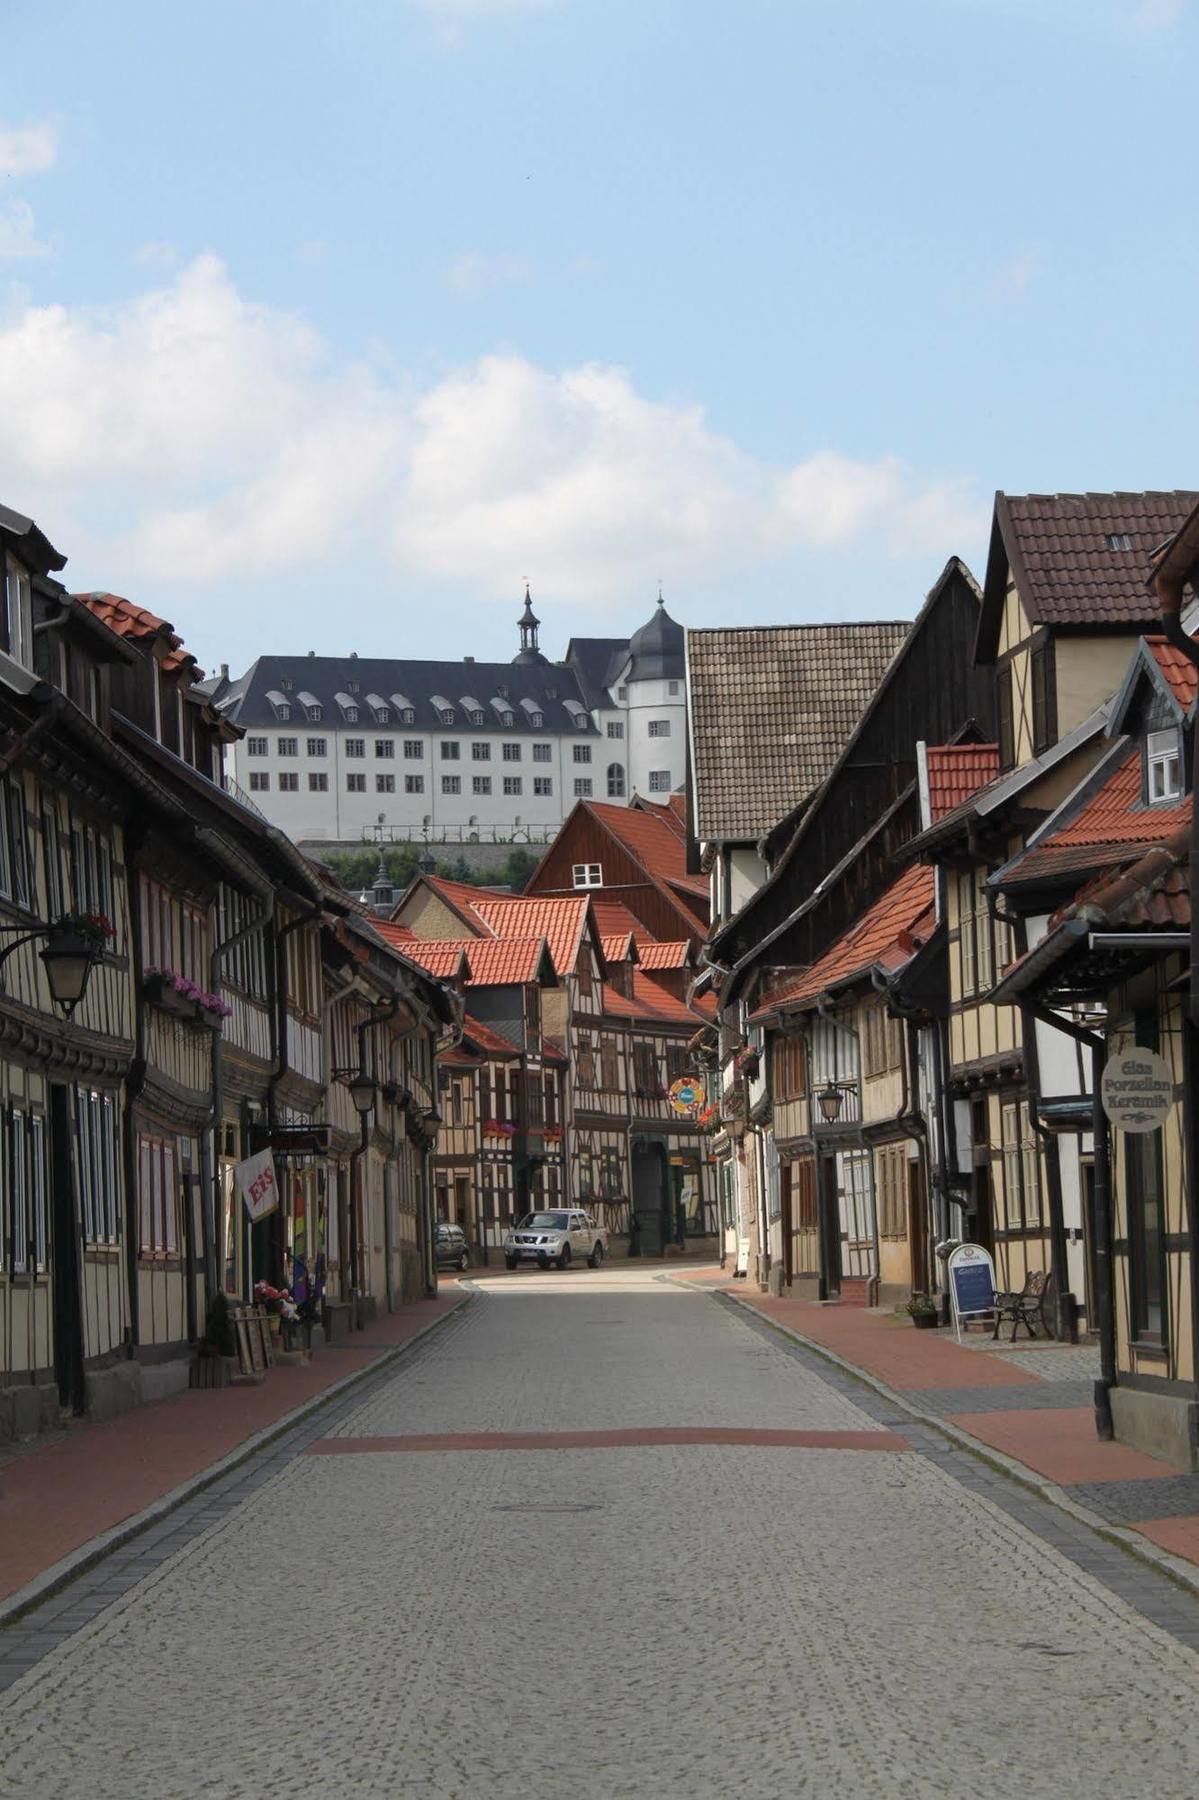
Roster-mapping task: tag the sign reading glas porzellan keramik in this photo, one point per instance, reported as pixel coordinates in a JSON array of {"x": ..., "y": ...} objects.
[{"x": 1137, "y": 1089}]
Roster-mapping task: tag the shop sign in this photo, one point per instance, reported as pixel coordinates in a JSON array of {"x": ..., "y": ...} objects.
[
  {"x": 257, "y": 1185},
  {"x": 971, "y": 1284},
  {"x": 687, "y": 1095},
  {"x": 1137, "y": 1089}
]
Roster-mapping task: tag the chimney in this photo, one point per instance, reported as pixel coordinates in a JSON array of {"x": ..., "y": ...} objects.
[
  {"x": 224, "y": 671},
  {"x": 468, "y": 659}
]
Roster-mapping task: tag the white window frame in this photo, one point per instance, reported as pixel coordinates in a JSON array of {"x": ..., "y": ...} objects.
[
  {"x": 1163, "y": 764},
  {"x": 587, "y": 875}
]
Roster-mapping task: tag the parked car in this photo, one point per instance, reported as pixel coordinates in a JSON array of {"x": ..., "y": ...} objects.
[
  {"x": 450, "y": 1250},
  {"x": 556, "y": 1237}
]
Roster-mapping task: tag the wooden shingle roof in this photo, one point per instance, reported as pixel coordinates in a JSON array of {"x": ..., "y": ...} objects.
[{"x": 772, "y": 707}]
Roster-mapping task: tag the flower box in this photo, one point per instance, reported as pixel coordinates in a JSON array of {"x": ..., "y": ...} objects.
[{"x": 160, "y": 989}]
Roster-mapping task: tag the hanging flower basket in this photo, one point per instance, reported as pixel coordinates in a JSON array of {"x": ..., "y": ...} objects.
[
  {"x": 498, "y": 1128},
  {"x": 94, "y": 931},
  {"x": 748, "y": 1063}
]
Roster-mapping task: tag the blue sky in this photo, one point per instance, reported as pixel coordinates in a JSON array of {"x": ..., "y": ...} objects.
[{"x": 324, "y": 326}]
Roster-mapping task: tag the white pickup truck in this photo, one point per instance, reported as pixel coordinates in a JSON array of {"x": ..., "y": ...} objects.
[{"x": 560, "y": 1237}]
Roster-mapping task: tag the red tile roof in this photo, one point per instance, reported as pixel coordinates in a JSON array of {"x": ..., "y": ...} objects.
[
  {"x": 504, "y": 962},
  {"x": 656, "y": 1004},
  {"x": 559, "y": 919},
  {"x": 612, "y": 916},
  {"x": 651, "y": 838},
  {"x": 889, "y": 932},
  {"x": 1178, "y": 670},
  {"x": 128, "y": 620},
  {"x": 616, "y": 947},
  {"x": 665, "y": 956},
  {"x": 485, "y": 1039},
  {"x": 956, "y": 772},
  {"x": 1067, "y": 567},
  {"x": 1113, "y": 819},
  {"x": 445, "y": 960}
]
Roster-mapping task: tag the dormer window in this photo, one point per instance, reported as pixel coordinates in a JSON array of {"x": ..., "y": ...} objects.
[
  {"x": 314, "y": 714},
  {"x": 351, "y": 715},
  {"x": 1163, "y": 767},
  {"x": 283, "y": 710},
  {"x": 476, "y": 717},
  {"x": 536, "y": 718},
  {"x": 384, "y": 715}
]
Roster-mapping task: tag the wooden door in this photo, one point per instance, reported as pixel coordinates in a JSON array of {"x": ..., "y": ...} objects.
[
  {"x": 918, "y": 1226},
  {"x": 830, "y": 1230},
  {"x": 786, "y": 1222}
]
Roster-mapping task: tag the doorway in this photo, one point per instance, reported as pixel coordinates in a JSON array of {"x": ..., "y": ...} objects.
[
  {"x": 68, "y": 1312},
  {"x": 650, "y": 1197},
  {"x": 830, "y": 1231},
  {"x": 785, "y": 1223},
  {"x": 918, "y": 1226}
]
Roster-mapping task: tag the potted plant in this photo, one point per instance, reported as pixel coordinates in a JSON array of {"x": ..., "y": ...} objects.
[
  {"x": 922, "y": 1309},
  {"x": 277, "y": 1303},
  {"x": 92, "y": 930}
]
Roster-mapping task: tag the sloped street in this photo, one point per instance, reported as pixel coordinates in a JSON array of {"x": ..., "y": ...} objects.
[{"x": 602, "y": 1535}]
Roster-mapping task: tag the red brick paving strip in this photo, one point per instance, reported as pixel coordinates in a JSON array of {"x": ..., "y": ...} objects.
[
  {"x": 57, "y": 1498},
  {"x": 1060, "y": 1443},
  {"x": 637, "y": 1438},
  {"x": 890, "y": 1348}
]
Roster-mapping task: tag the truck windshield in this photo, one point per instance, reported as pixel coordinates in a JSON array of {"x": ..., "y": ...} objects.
[{"x": 545, "y": 1221}]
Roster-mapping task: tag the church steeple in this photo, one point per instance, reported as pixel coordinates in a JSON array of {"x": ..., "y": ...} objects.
[{"x": 530, "y": 624}]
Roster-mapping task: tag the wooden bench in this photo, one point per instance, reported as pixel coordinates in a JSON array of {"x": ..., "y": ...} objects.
[{"x": 1027, "y": 1307}]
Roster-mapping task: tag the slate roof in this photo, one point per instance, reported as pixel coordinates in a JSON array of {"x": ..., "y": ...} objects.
[
  {"x": 887, "y": 934},
  {"x": 139, "y": 625},
  {"x": 545, "y": 686},
  {"x": 598, "y": 663},
  {"x": 771, "y": 708},
  {"x": 1077, "y": 559},
  {"x": 955, "y": 773}
]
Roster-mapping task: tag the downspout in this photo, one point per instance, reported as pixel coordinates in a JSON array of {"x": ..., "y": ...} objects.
[
  {"x": 135, "y": 1080},
  {"x": 214, "y": 1247},
  {"x": 1065, "y": 1305},
  {"x": 872, "y": 1281},
  {"x": 280, "y": 966},
  {"x": 378, "y": 1016},
  {"x": 1167, "y": 590},
  {"x": 1105, "y": 1304},
  {"x": 908, "y": 1121}
]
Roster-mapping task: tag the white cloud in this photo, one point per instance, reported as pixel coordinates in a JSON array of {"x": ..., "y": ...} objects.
[
  {"x": 462, "y": 9},
  {"x": 1156, "y": 15},
  {"x": 1011, "y": 280},
  {"x": 18, "y": 241},
  {"x": 157, "y": 255},
  {"x": 192, "y": 435},
  {"x": 475, "y": 272},
  {"x": 28, "y": 149}
]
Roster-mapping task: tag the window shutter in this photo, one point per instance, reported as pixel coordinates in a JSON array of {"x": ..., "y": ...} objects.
[
  {"x": 1005, "y": 718},
  {"x": 145, "y": 1196}
]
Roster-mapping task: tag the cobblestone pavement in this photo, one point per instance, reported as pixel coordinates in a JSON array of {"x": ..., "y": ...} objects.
[{"x": 666, "y": 1620}]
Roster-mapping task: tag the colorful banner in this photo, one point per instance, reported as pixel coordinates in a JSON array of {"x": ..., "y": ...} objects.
[{"x": 257, "y": 1184}]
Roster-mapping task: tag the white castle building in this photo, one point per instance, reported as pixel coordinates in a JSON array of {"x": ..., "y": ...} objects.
[{"x": 341, "y": 748}]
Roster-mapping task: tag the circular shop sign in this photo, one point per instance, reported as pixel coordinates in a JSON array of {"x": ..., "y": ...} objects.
[
  {"x": 1137, "y": 1089},
  {"x": 687, "y": 1094}
]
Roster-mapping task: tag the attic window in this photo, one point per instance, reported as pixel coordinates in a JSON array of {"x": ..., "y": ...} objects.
[
  {"x": 536, "y": 718},
  {"x": 1119, "y": 540},
  {"x": 587, "y": 875},
  {"x": 383, "y": 715},
  {"x": 1163, "y": 767},
  {"x": 314, "y": 714},
  {"x": 353, "y": 687},
  {"x": 287, "y": 686},
  {"x": 408, "y": 716},
  {"x": 351, "y": 715},
  {"x": 476, "y": 715}
]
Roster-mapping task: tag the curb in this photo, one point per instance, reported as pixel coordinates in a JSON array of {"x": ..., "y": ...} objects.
[
  {"x": 1175, "y": 1568},
  {"x": 76, "y": 1561}
]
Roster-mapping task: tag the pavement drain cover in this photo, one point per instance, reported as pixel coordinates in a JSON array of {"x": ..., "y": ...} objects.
[{"x": 544, "y": 1506}]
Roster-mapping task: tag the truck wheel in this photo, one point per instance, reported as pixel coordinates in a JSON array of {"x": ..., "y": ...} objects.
[
  {"x": 596, "y": 1257},
  {"x": 564, "y": 1257},
  {"x": 510, "y": 1261},
  {"x": 543, "y": 1261}
]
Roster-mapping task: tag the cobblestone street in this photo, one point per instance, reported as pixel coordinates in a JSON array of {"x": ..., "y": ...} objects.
[{"x": 400, "y": 1596}]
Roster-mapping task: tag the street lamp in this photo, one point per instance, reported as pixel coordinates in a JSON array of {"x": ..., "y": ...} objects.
[
  {"x": 362, "y": 1092},
  {"x": 68, "y": 957},
  {"x": 830, "y": 1100}
]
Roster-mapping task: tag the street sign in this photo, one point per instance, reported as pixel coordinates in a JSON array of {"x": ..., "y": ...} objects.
[
  {"x": 257, "y": 1185},
  {"x": 1137, "y": 1089},
  {"x": 687, "y": 1094},
  {"x": 971, "y": 1284}
]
